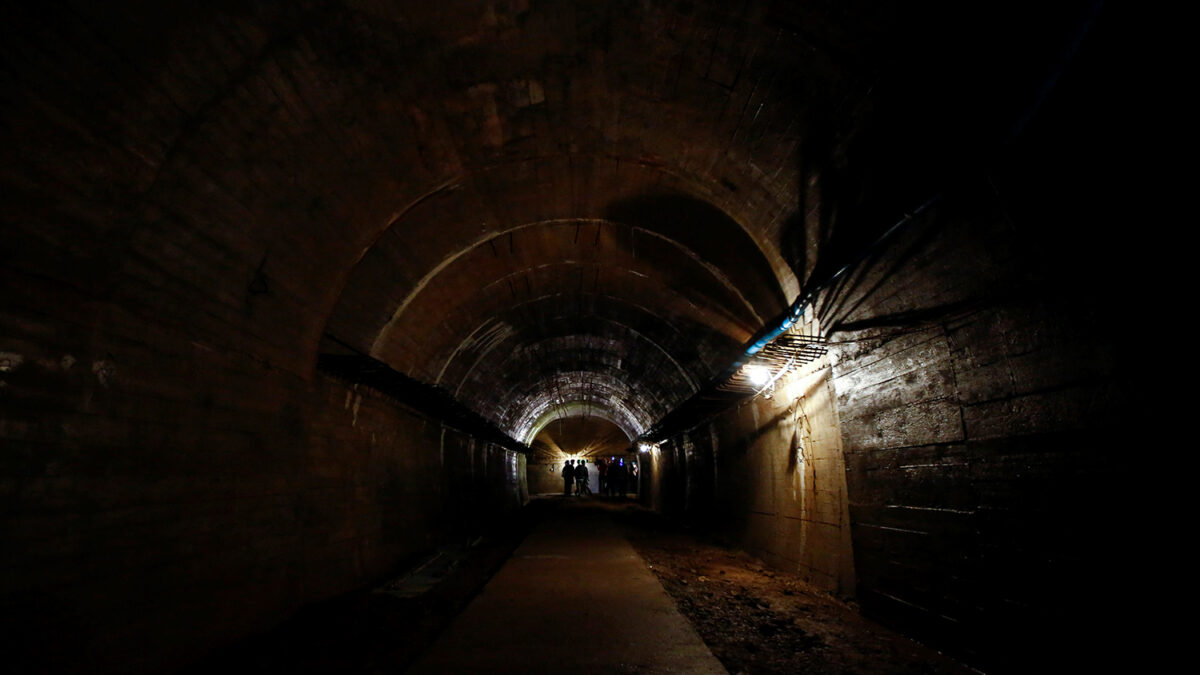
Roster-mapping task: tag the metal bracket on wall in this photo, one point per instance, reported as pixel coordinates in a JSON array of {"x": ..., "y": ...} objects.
[
  {"x": 779, "y": 347},
  {"x": 785, "y": 352},
  {"x": 426, "y": 399}
]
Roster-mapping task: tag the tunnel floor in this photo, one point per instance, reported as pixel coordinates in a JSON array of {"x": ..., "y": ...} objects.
[
  {"x": 574, "y": 597},
  {"x": 586, "y": 585}
]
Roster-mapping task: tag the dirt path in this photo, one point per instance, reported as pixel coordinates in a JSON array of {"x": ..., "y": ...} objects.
[{"x": 759, "y": 621}]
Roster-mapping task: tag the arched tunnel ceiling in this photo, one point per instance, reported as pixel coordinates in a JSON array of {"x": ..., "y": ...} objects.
[
  {"x": 562, "y": 260},
  {"x": 638, "y": 317},
  {"x": 345, "y": 169},
  {"x": 588, "y": 259}
]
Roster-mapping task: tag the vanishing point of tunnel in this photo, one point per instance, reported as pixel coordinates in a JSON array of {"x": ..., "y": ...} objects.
[{"x": 293, "y": 294}]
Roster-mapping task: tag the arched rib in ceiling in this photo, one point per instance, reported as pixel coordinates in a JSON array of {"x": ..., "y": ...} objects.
[
  {"x": 602, "y": 257},
  {"x": 567, "y": 395},
  {"x": 552, "y": 266},
  {"x": 647, "y": 387},
  {"x": 512, "y": 289},
  {"x": 432, "y": 234},
  {"x": 650, "y": 356},
  {"x": 644, "y": 344}
]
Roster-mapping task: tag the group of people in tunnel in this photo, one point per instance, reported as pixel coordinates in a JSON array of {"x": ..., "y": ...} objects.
[{"x": 617, "y": 477}]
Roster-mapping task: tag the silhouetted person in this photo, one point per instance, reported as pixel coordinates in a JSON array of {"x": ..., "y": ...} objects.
[
  {"x": 602, "y": 472},
  {"x": 581, "y": 478},
  {"x": 616, "y": 477},
  {"x": 568, "y": 477},
  {"x": 633, "y": 477}
]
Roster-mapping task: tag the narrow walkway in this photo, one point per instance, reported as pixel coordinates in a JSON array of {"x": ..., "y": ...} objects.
[{"x": 575, "y": 597}]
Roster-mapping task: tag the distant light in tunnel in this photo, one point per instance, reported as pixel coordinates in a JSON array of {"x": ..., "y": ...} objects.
[{"x": 758, "y": 375}]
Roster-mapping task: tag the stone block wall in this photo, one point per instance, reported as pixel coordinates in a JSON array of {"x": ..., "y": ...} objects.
[
  {"x": 979, "y": 393},
  {"x": 954, "y": 466}
]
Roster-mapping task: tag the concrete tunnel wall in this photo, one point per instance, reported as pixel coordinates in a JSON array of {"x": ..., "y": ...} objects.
[
  {"x": 185, "y": 524},
  {"x": 538, "y": 206},
  {"x": 951, "y": 464},
  {"x": 769, "y": 475}
]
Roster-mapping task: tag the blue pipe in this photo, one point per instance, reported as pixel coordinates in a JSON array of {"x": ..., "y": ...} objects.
[
  {"x": 796, "y": 311},
  {"x": 790, "y": 318}
]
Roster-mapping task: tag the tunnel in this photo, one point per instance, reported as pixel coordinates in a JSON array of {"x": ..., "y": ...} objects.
[{"x": 293, "y": 293}]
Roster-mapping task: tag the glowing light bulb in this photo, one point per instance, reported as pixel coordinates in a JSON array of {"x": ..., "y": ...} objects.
[{"x": 758, "y": 375}]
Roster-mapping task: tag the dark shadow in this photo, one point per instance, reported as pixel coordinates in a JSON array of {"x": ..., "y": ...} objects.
[
  {"x": 918, "y": 318},
  {"x": 712, "y": 235},
  {"x": 837, "y": 301},
  {"x": 386, "y": 626}
]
